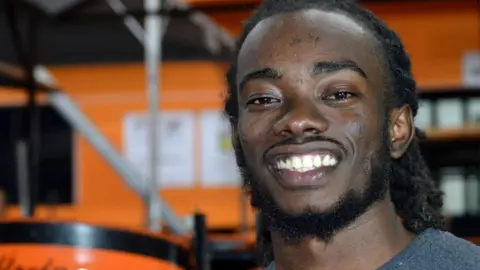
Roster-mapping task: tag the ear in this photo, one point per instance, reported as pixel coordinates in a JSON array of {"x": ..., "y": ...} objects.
[{"x": 402, "y": 130}]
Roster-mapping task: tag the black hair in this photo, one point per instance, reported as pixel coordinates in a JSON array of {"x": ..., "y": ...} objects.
[{"x": 417, "y": 200}]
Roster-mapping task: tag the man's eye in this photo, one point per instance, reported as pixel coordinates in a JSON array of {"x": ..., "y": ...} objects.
[
  {"x": 340, "y": 96},
  {"x": 263, "y": 101}
]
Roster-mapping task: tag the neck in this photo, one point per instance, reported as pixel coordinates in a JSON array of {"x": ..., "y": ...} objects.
[{"x": 368, "y": 243}]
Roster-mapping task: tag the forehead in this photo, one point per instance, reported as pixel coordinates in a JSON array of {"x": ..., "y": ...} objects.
[{"x": 291, "y": 42}]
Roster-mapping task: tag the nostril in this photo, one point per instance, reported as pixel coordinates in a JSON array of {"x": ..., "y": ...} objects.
[
  {"x": 299, "y": 122},
  {"x": 312, "y": 131},
  {"x": 285, "y": 133}
]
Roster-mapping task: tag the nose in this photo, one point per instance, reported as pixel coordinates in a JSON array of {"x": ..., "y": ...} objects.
[{"x": 301, "y": 120}]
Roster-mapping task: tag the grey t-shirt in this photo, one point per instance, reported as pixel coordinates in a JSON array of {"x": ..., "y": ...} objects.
[{"x": 434, "y": 250}]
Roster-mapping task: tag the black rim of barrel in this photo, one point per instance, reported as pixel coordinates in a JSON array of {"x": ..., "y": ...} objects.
[{"x": 94, "y": 237}]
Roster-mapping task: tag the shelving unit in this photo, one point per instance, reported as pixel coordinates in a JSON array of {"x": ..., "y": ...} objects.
[
  {"x": 451, "y": 146},
  {"x": 468, "y": 133},
  {"x": 454, "y": 147}
]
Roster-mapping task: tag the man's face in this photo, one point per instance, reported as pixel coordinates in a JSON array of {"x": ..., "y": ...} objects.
[{"x": 310, "y": 122}]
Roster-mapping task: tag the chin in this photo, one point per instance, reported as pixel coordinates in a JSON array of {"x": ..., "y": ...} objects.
[{"x": 296, "y": 203}]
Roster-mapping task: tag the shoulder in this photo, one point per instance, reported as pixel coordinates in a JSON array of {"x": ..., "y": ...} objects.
[
  {"x": 447, "y": 248},
  {"x": 271, "y": 266},
  {"x": 439, "y": 250},
  {"x": 448, "y": 241}
]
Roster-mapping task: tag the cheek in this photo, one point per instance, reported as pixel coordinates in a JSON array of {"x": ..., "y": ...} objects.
[
  {"x": 365, "y": 132},
  {"x": 357, "y": 126},
  {"x": 253, "y": 130},
  {"x": 248, "y": 132}
]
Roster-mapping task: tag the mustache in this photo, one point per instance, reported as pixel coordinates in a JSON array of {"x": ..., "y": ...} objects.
[{"x": 295, "y": 140}]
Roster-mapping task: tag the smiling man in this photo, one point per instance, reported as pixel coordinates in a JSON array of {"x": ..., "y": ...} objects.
[{"x": 322, "y": 104}]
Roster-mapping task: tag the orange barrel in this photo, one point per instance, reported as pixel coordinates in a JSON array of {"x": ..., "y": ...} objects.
[{"x": 77, "y": 246}]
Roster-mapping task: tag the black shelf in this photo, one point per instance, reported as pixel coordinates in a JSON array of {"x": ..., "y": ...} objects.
[
  {"x": 234, "y": 260},
  {"x": 466, "y": 226},
  {"x": 452, "y": 153},
  {"x": 449, "y": 93}
]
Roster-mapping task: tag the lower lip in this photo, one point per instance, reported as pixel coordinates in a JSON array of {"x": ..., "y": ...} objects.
[{"x": 299, "y": 180}]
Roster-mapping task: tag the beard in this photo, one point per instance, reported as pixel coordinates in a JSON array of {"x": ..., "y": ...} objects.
[{"x": 323, "y": 225}]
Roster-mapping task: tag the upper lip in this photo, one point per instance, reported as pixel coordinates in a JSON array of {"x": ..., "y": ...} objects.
[{"x": 302, "y": 149}]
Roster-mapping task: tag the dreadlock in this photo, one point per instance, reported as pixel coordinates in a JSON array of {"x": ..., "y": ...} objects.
[{"x": 416, "y": 198}]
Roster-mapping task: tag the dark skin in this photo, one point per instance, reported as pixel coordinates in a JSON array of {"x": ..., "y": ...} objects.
[{"x": 308, "y": 73}]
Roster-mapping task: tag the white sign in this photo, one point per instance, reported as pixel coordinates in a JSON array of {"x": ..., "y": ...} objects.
[
  {"x": 219, "y": 168},
  {"x": 176, "y": 146},
  {"x": 471, "y": 69}
]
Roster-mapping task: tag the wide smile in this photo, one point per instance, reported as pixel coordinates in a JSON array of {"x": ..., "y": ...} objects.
[
  {"x": 305, "y": 163},
  {"x": 309, "y": 169}
]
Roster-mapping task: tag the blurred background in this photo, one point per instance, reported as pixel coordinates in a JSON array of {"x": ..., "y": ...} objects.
[{"x": 78, "y": 81}]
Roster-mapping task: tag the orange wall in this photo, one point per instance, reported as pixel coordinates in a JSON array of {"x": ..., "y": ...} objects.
[{"x": 436, "y": 35}]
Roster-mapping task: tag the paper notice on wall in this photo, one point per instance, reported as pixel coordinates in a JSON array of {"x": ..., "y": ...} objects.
[
  {"x": 471, "y": 69},
  {"x": 219, "y": 168},
  {"x": 452, "y": 183},
  {"x": 176, "y": 146}
]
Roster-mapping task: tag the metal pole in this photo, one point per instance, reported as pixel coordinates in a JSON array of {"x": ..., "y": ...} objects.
[
  {"x": 133, "y": 178},
  {"x": 153, "y": 214},
  {"x": 200, "y": 243},
  {"x": 22, "y": 176},
  {"x": 33, "y": 118},
  {"x": 30, "y": 118},
  {"x": 153, "y": 28},
  {"x": 131, "y": 23}
]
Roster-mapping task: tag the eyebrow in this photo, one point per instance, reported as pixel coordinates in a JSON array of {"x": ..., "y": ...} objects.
[
  {"x": 319, "y": 68},
  {"x": 264, "y": 73},
  {"x": 326, "y": 67}
]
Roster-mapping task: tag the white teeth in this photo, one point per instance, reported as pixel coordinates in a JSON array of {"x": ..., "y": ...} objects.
[
  {"x": 333, "y": 162},
  {"x": 306, "y": 162},
  {"x": 297, "y": 163},
  {"x": 288, "y": 164},
  {"x": 326, "y": 161},
  {"x": 317, "y": 161}
]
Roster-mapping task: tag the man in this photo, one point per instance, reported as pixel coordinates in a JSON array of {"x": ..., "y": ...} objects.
[{"x": 322, "y": 104}]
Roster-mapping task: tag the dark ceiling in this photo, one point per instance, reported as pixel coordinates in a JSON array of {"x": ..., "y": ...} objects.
[
  {"x": 106, "y": 40},
  {"x": 87, "y": 31}
]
